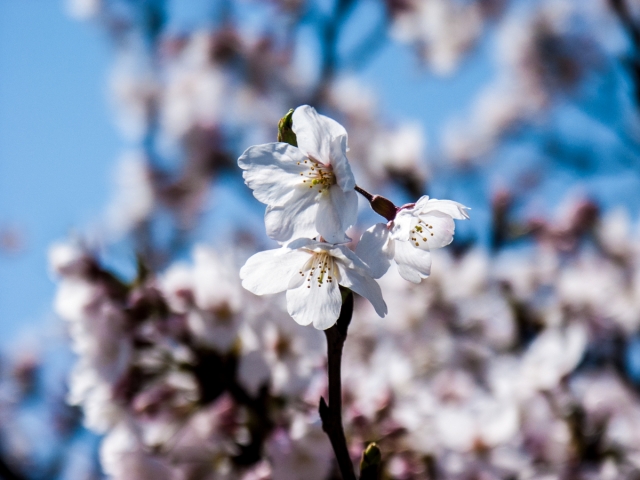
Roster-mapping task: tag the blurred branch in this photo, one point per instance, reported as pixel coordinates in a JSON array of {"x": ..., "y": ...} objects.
[
  {"x": 217, "y": 374},
  {"x": 621, "y": 9},
  {"x": 329, "y": 33},
  {"x": 369, "y": 46},
  {"x": 624, "y": 15}
]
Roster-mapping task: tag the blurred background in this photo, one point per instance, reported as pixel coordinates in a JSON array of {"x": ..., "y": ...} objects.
[{"x": 128, "y": 348}]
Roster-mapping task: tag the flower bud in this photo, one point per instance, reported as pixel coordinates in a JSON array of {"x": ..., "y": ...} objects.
[
  {"x": 383, "y": 206},
  {"x": 370, "y": 463},
  {"x": 285, "y": 132}
]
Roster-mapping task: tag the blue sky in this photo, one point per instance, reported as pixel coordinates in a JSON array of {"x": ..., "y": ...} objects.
[{"x": 57, "y": 145}]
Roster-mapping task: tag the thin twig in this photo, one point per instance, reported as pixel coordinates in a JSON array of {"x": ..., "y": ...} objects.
[
  {"x": 364, "y": 193},
  {"x": 331, "y": 414}
]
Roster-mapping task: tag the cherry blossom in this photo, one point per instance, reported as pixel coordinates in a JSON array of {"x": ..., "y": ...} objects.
[
  {"x": 308, "y": 190},
  {"x": 408, "y": 239},
  {"x": 311, "y": 272}
]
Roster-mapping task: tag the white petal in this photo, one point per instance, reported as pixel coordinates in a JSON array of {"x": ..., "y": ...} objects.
[
  {"x": 403, "y": 224},
  {"x": 314, "y": 133},
  {"x": 271, "y": 271},
  {"x": 364, "y": 285},
  {"x": 296, "y": 281},
  {"x": 414, "y": 264},
  {"x": 292, "y": 220},
  {"x": 341, "y": 168},
  {"x": 422, "y": 201},
  {"x": 337, "y": 211},
  {"x": 348, "y": 258},
  {"x": 347, "y": 205},
  {"x": 453, "y": 209},
  {"x": 374, "y": 249},
  {"x": 438, "y": 232},
  {"x": 271, "y": 170},
  {"x": 314, "y": 303}
]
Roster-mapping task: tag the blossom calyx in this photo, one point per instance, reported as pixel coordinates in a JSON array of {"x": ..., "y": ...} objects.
[
  {"x": 383, "y": 206},
  {"x": 285, "y": 129}
]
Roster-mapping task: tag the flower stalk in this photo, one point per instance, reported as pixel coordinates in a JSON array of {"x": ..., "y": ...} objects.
[
  {"x": 379, "y": 204},
  {"x": 331, "y": 414}
]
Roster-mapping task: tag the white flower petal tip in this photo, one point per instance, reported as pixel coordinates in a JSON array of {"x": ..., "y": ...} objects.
[
  {"x": 311, "y": 273},
  {"x": 455, "y": 210}
]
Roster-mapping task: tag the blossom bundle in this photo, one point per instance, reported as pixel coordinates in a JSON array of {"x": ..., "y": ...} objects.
[{"x": 310, "y": 192}]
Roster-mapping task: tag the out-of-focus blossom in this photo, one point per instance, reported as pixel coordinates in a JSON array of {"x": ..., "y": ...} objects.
[
  {"x": 209, "y": 296},
  {"x": 124, "y": 458},
  {"x": 553, "y": 354},
  {"x": 442, "y": 30},
  {"x": 545, "y": 50},
  {"x": 400, "y": 153},
  {"x": 197, "y": 89},
  {"x": 302, "y": 451},
  {"x": 134, "y": 198},
  {"x": 83, "y": 9},
  {"x": 134, "y": 90}
]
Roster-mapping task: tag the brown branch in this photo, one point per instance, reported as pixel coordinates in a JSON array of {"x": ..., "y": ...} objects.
[{"x": 331, "y": 415}]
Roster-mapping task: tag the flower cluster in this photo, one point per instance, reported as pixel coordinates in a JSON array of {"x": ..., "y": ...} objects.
[
  {"x": 499, "y": 364},
  {"x": 186, "y": 375},
  {"x": 311, "y": 199}
]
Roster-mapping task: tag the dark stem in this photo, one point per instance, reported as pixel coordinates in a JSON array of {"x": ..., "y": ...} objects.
[
  {"x": 621, "y": 9},
  {"x": 7, "y": 472},
  {"x": 331, "y": 415},
  {"x": 364, "y": 193}
]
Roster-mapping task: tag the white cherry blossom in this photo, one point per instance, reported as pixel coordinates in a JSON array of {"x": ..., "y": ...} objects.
[
  {"x": 308, "y": 190},
  {"x": 311, "y": 272},
  {"x": 408, "y": 239}
]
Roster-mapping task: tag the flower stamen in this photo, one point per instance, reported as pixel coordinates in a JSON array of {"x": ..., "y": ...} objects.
[
  {"x": 322, "y": 265},
  {"x": 419, "y": 233},
  {"x": 319, "y": 175}
]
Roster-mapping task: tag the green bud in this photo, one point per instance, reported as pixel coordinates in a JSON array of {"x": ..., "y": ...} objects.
[
  {"x": 370, "y": 463},
  {"x": 285, "y": 132},
  {"x": 383, "y": 206}
]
